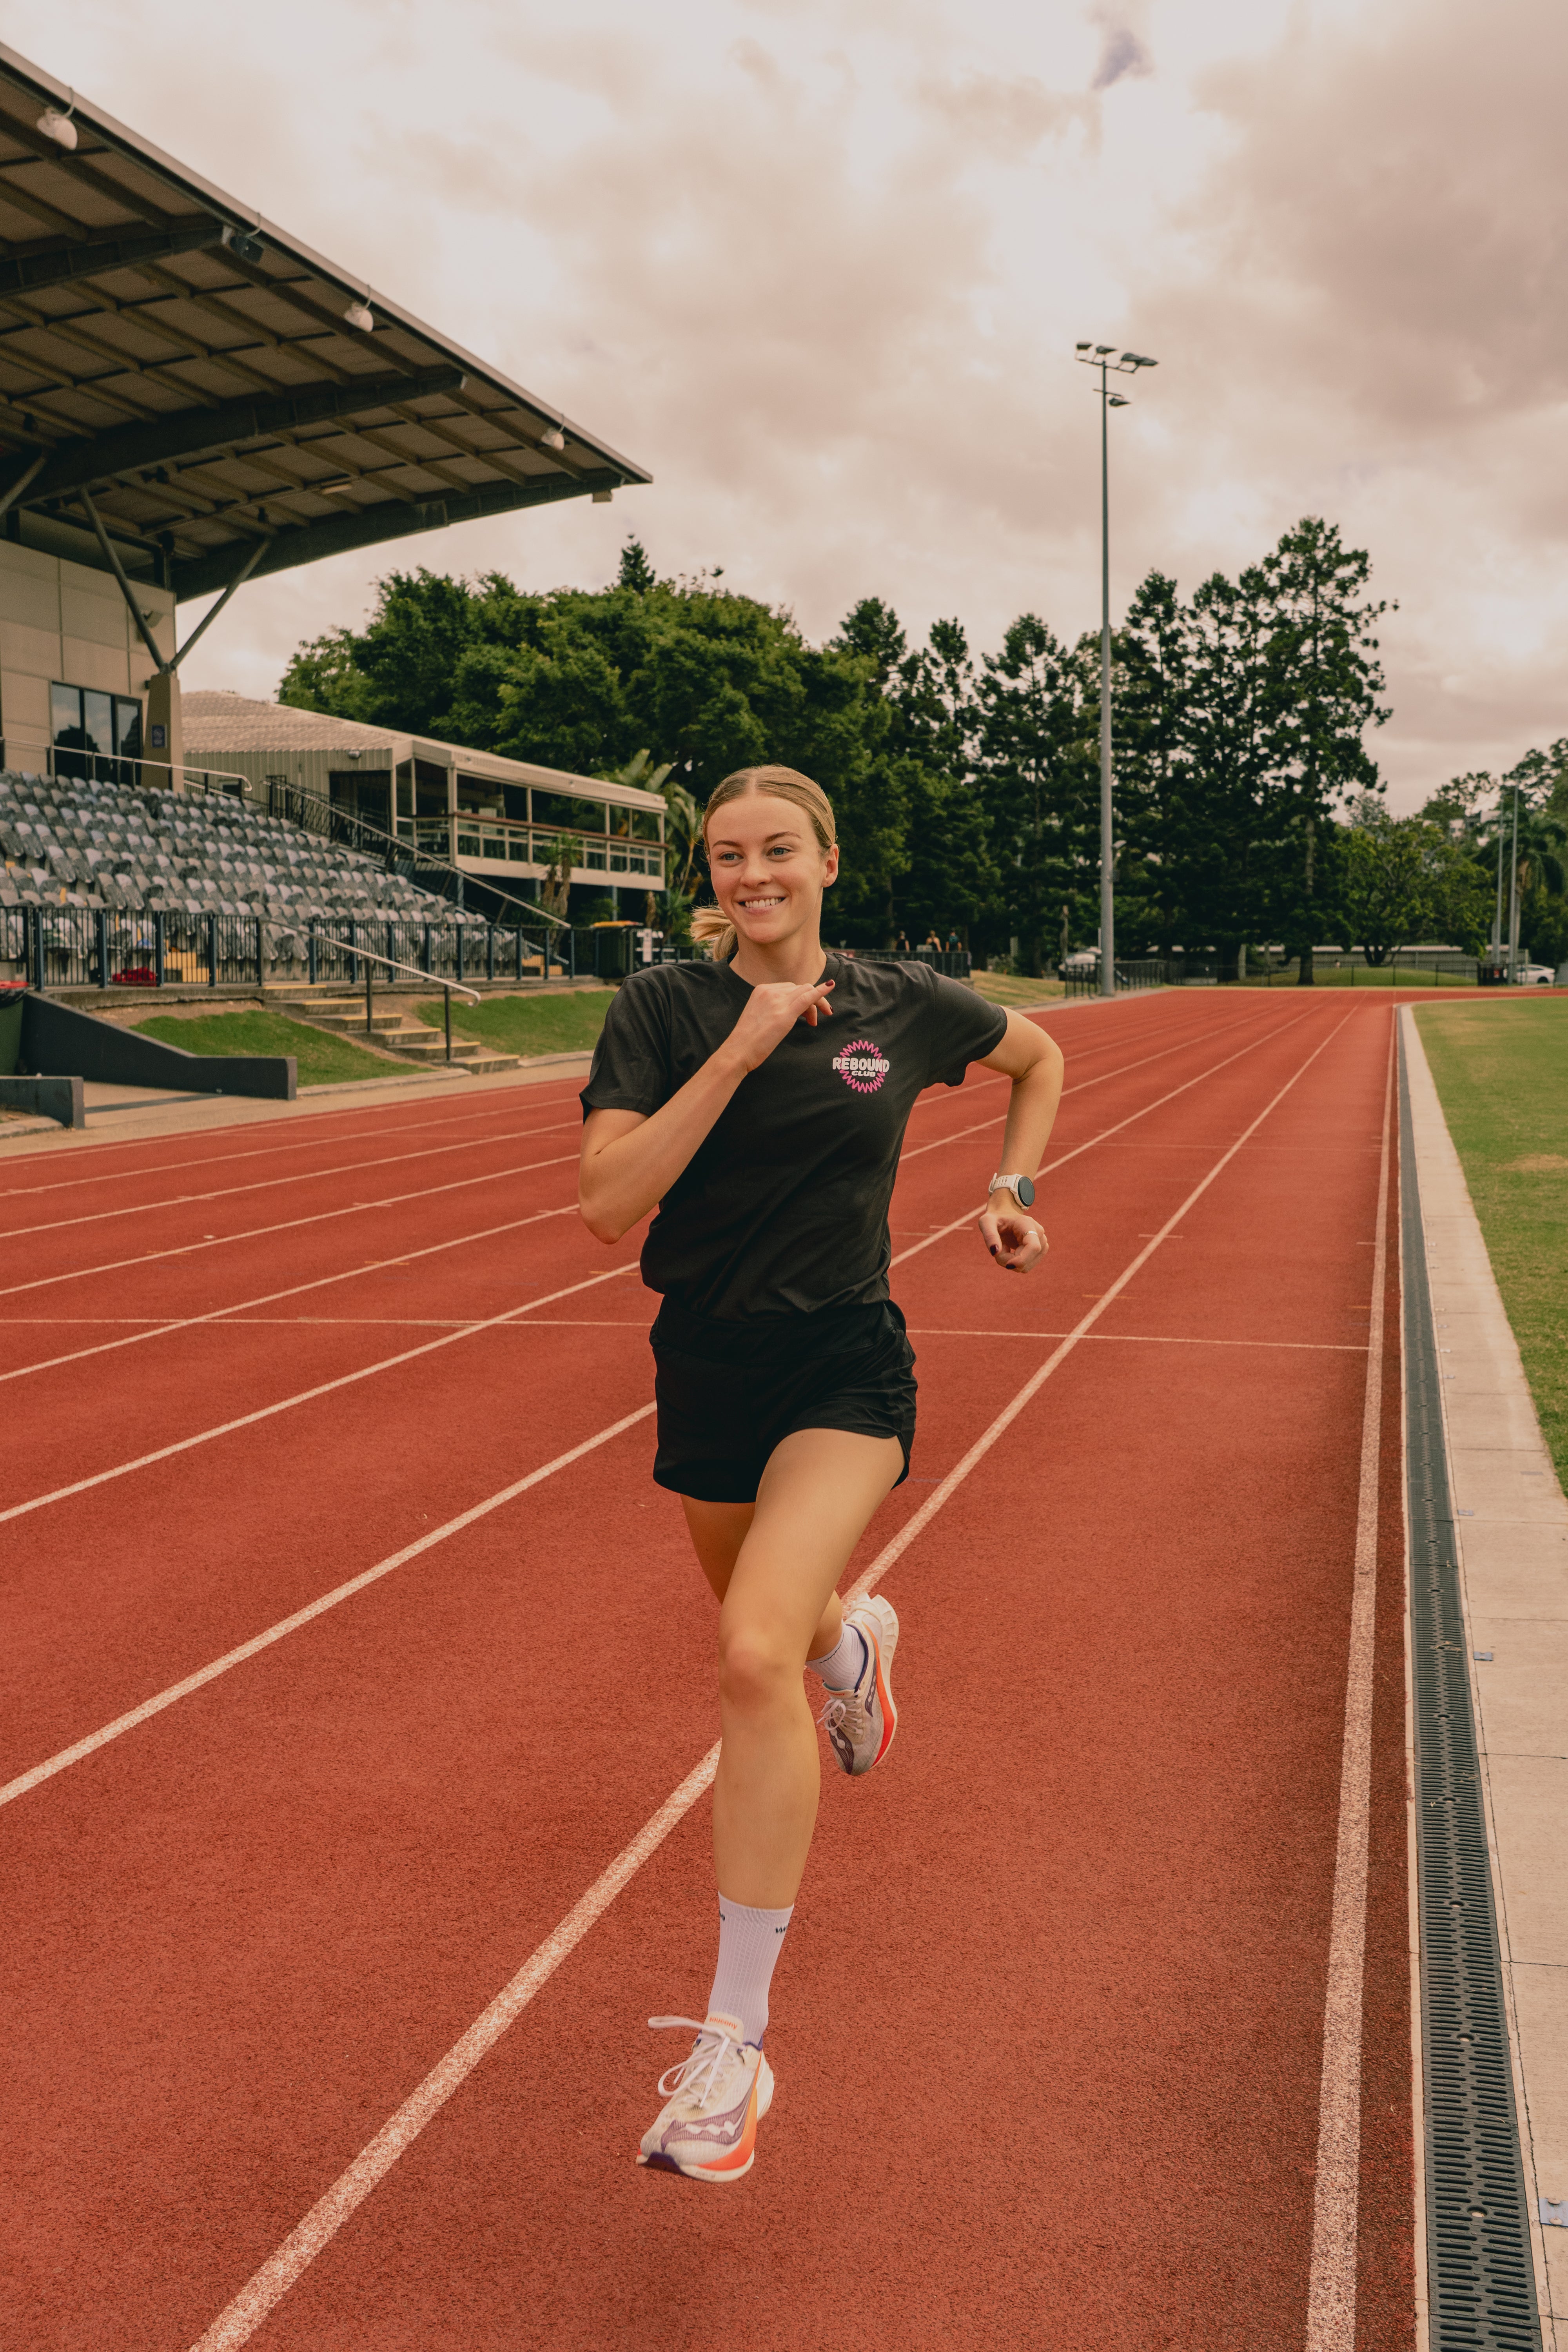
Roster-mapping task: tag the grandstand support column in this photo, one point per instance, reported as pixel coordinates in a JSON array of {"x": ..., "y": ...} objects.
[{"x": 163, "y": 744}]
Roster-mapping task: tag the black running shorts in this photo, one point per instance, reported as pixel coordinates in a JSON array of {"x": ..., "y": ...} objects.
[{"x": 728, "y": 1391}]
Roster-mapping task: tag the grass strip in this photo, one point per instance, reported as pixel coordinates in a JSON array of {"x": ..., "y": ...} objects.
[
  {"x": 1402, "y": 975},
  {"x": 324, "y": 1060},
  {"x": 566, "y": 1022},
  {"x": 1502, "y": 1075},
  {"x": 1003, "y": 988}
]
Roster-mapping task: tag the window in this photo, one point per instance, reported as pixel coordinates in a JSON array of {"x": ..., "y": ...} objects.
[
  {"x": 94, "y": 734},
  {"x": 566, "y": 810},
  {"x": 477, "y": 796}
]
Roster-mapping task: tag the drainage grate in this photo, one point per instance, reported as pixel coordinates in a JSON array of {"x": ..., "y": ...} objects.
[{"x": 1481, "y": 2271}]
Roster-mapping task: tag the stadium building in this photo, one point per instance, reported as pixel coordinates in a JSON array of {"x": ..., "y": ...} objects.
[
  {"x": 499, "y": 822},
  {"x": 191, "y": 399}
]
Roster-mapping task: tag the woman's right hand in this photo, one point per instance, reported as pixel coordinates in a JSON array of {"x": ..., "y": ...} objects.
[{"x": 772, "y": 1011}]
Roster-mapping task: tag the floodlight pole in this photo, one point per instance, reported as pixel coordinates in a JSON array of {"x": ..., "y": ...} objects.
[
  {"x": 1513, "y": 899},
  {"x": 1107, "y": 844},
  {"x": 1103, "y": 357}
]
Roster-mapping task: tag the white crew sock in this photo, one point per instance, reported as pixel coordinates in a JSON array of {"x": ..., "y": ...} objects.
[
  {"x": 749, "y": 1944},
  {"x": 842, "y": 1666}
]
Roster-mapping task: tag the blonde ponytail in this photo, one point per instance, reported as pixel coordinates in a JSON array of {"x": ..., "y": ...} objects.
[
  {"x": 710, "y": 925},
  {"x": 712, "y": 928}
]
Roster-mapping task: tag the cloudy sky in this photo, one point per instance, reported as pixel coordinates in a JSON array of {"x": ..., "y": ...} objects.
[{"x": 820, "y": 265}]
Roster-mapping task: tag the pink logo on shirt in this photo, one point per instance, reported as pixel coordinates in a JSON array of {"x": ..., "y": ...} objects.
[{"x": 862, "y": 1066}]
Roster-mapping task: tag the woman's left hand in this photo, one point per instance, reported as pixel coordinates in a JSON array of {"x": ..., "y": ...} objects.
[{"x": 1013, "y": 1240}]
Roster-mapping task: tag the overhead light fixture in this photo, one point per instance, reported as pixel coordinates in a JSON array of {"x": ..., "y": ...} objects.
[
  {"x": 1080, "y": 347},
  {"x": 603, "y": 497},
  {"x": 553, "y": 439},
  {"x": 59, "y": 127},
  {"x": 1117, "y": 401},
  {"x": 1100, "y": 349},
  {"x": 360, "y": 314},
  {"x": 242, "y": 244}
]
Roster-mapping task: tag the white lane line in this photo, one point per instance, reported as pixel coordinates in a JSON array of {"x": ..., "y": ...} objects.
[
  {"x": 236, "y": 2325},
  {"x": 288, "y": 1225},
  {"x": 1137, "y": 1338},
  {"x": 238, "y": 2322},
  {"x": 304, "y": 1396},
  {"x": 269, "y": 1184},
  {"x": 962, "y": 1224},
  {"x": 1331, "y": 2280},
  {"x": 328, "y": 1141},
  {"x": 231, "y": 1658},
  {"x": 160, "y": 1328},
  {"x": 1193, "y": 1037}
]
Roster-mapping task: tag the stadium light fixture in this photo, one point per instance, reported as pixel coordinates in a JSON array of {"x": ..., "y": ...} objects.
[
  {"x": 360, "y": 314},
  {"x": 59, "y": 127},
  {"x": 553, "y": 439},
  {"x": 1101, "y": 357}
]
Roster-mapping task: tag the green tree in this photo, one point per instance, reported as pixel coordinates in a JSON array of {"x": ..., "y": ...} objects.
[
  {"x": 1322, "y": 681},
  {"x": 636, "y": 571},
  {"x": 947, "y": 880},
  {"x": 584, "y": 680},
  {"x": 1386, "y": 876},
  {"x": 1038, "y": 718}
]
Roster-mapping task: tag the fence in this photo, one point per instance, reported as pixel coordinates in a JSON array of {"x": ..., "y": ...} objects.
[
  {"x": 1146, "y": 971},
  {"x": 82, "y": 947},
  {"x": 955, "y": 963}
]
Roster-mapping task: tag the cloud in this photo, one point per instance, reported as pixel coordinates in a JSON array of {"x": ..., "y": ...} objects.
[{"x": 820, "y": 264}]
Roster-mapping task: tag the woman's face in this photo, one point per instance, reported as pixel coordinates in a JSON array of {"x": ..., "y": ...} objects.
[{"x": 768, "y": 867}]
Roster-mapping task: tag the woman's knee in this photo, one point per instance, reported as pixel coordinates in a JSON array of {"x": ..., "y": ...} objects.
[{"x": 757, "y": 1668}]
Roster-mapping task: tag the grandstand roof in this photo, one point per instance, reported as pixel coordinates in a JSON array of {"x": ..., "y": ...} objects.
[
  {"x": 188, "y": 367},
  {"x": 217, "y": 721}
]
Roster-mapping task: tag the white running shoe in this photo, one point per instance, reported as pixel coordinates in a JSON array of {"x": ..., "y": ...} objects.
[
  {"x": 861, "y": 1722},
  {"x": 714, "y": 2101}
]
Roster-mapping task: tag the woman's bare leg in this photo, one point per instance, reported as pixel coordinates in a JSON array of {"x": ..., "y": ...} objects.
[
  {"x": 718, "y": 1531},
  {"x": 779, "y": 1607}
]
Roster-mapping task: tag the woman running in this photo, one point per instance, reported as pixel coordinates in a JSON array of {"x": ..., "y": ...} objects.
[{"x": 760, "y": 1102}]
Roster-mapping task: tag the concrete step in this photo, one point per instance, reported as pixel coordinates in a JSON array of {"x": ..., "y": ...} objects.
[{"x": 348, "y": 1024}]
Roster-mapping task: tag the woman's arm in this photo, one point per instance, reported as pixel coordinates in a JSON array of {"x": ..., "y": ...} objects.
[
  {"x": 630, "y": 1161},
  {"x": 1033, "y": 1063}
]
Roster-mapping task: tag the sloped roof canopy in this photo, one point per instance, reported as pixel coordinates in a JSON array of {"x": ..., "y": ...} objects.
[{"x": 172, "y": 357}]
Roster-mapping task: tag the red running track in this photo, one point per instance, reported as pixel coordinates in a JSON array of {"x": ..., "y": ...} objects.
[{"x": 1049, "y": 2030}]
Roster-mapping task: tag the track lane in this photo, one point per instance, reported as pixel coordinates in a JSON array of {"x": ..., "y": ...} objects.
[
  {"x": 102, "y": 1160},
  {"x": 640, "y": 2266},
  {"x": 194, "y": 1490},
  {"x": 1164, "y": 2014}
]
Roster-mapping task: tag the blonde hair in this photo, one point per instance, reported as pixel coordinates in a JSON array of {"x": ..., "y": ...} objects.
[{"x": 711, "y": 924}]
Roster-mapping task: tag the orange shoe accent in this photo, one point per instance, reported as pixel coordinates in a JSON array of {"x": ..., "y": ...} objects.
[{"x": 740, "y": 2154}]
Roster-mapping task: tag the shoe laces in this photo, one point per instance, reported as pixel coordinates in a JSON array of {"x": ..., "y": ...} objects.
[
  {"x": 696, "y": 2077},
  {"x": 846, "y": 1711}
]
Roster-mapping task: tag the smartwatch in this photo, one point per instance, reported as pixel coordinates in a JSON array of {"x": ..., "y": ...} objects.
[{"x": 1018, "y": 1185}]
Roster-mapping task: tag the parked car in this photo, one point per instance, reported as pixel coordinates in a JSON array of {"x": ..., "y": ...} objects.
[{"x": 1536, "y": 975}]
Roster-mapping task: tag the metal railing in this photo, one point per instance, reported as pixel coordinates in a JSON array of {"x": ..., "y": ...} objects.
[
  {"x": 396, "y": 853},
  {"x": 1140, "y": 972},
  {"x": 449, "y": 989},
  {"x": 87, "y": 947},
  {"x": 954, "y": 964},
  {"x": 68, "y": 766}
]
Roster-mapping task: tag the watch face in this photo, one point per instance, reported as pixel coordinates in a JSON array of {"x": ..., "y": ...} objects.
[{"x": 1026, "y": 1193}]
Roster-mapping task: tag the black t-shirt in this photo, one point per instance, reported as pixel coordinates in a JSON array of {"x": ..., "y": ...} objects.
[{"x": 782, "y": 1209}]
